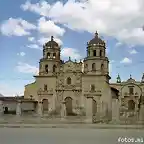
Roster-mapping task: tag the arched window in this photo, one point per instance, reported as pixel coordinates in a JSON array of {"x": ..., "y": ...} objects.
[
  {"x": 54, "y": 68},
  {"x": 46, "y": 68},
  {"x": 54, "y": 55},
  {"x": 68, "y": 80},
  {"x": 94, "y": 52},
  {"x": 100, "y": 53},
  {"x": 92, "y": 87},
  {"x": 48, "y": 55},
  {"x": 102, "y": 67},
  {"x": 93, "y": 67},
  {"x": 45, "y": 87}
]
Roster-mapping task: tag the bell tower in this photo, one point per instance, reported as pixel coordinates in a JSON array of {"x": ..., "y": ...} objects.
[
  {"x": 96, "y": 63},
  {"x": 50, "y": 62}
]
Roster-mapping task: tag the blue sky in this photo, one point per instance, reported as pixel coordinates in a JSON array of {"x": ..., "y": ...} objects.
[{"x": 26, "y": 25}]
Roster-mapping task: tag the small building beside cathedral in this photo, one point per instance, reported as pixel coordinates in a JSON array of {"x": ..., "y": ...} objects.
[{"x": 72, "y": 85}]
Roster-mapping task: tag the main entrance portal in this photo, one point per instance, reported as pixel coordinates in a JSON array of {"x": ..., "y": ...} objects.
[{"x": 45, "y": 105}]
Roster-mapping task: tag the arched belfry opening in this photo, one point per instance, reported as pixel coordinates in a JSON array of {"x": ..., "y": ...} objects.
[
  {"x": 48, "y": 55},
  {"x": 100, "y": 54},
  {"x": 93, "y": 67},
  {"x": 68, "y": 105},
  {"x": 94, "y": 52},
  {"x": 102, "y": 67},
  {"x": 46, "y": 68},
  {"x": 54, "y": 68}
]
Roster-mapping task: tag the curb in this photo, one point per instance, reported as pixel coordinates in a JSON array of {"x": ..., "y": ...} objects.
[{"x": 69, "y": 126}]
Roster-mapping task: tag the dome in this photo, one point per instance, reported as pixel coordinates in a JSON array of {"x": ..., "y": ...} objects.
[
  {"x": 131, "y": 80},
  {"x": 51, "y": 43},
  {"x": 96, "y": 40}
]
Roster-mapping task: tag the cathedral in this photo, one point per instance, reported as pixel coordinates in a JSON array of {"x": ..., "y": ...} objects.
[{"x": 71, "y": 87}]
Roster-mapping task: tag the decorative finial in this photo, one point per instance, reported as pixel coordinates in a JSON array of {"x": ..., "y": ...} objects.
[
  {"x": 142, "y": 80},
  {"x": 80, "y": 60},
  {"x": 118, "y": 79},
  {"x": 75, "y": 60},
  {"x": 96, "y": 34},
  {"x": 69, "y": 58},
  {"x": 130, "y": 76},
  {"x": 52, "y": 38}
]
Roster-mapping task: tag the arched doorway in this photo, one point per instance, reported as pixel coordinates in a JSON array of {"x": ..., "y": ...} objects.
[
  {"x": 94, "y": 107},
  {"x": 68, "y": 104},
  {"x": 6, "y": 110},
  {"x": 131, "y": 105},
  {"x": 45, "y": 105}
]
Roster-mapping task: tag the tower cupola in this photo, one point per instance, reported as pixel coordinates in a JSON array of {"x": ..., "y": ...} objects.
[
  {"x": 96, "y": 40},
  {"x": 51, "y": 43}
]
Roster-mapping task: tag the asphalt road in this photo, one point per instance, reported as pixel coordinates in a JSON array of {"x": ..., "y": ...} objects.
[{"x": 68, "y": 136}]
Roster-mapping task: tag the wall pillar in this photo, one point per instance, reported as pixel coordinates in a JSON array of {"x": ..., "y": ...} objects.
[
  {"x": 115, "y": 110},
  {"x": 40, "y": 109},
  {"x": 1, "y": 108},
  {"x": 89, "y": 109},
  {"x": 50, "y": 105},
  {"x": 63, "y": 110},
  {"x": 18, "y": 108},
  {"x": 141, "y": 114}
]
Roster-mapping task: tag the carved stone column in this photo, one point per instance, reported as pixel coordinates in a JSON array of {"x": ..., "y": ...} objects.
[
  {"x": 1, "y": 108},
  {"x": 40, "y": 109},
  {"x": 63, "y": 110},
  {"x": 89, "y": 109},
  {"x": 98, "y": 106},
  {"x": 18, "y": 108}
]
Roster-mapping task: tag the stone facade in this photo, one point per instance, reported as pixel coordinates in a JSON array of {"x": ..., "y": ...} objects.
[
  {"x": 131, "y": 98},
  {"x": 74, "y": 86}
]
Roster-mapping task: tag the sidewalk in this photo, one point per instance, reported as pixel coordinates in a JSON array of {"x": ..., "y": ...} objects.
[{"x": 91, "y": 126}]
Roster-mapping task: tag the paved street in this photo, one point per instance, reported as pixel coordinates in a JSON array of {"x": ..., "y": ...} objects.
[{"x": 65, "y": 136}]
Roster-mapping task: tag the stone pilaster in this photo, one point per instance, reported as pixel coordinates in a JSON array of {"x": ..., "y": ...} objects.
[
  {"x": 40, "y": 110},
  {"x": 89, "y": 109},
  {"x": 115, "y": 110},
  {"x": 18, "y": 108},
  {"x": 63, "y": 110},
  {"x": 1, "y": 108}
]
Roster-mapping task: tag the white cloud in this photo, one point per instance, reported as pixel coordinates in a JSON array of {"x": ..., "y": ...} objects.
[
  {"x": 33, "y": 46},
  {"x": 133, "y": 51},
  {"x": 49, "y": 28},
  {"x": 16, "y": 27},
  {"x": 122, "y": 19},
  {"x": 10, "y": 90},
  {"x": 118, "y": 44},
  {"x": 21, "y": 54},
  {"x": 26, "y": 68},
  {"x": 70, "y": 52},
  {"x": 43, "y": 40},
  {"x": 126, "y": 60},
  {"x": 31, "y": 39},
  {"x": 41, "y": 8}
]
